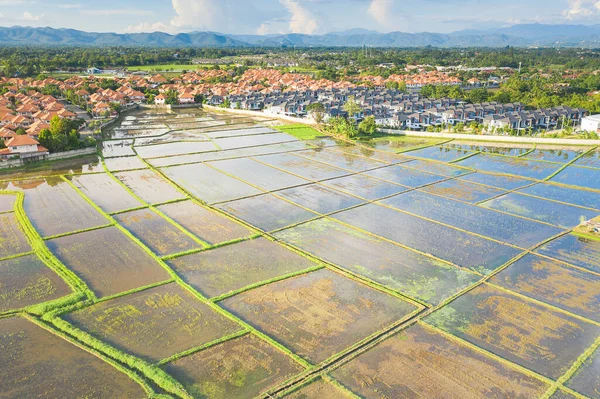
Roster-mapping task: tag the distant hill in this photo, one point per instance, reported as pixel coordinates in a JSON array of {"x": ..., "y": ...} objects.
[{"x": 518, "y": 35}]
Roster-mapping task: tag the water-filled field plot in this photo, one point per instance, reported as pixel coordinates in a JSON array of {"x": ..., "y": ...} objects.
[
  {"x": 177, "y": 148},
  {"x": 591, "y": 160},
  {"x": 7, "y": 203},
  {"x": 239, "y": 132},
  {"x": 319, "y": 198},
  {"x": 579, "y": 177},
  {"x": 208, "y": 184},
  {"x": 579, "y": 251},
  {"x": 26, "y": 281},
  {"x": 512, "y": 166},
  {"x": 232, "y": 267},
  {"x": 303, "y": 167},
  {"x": 149, "y": 186},
  {"x": 526, "y": 333},
  {"x": 552, "y": 282},
  {"x": 42, "y": 365},
  {"x": 491, "y": 148},
  {"x": 154, "y": 324},
  {"x": 558, "y": 155},
  {"x": 497, "y": 181},
  {"x": 463, "y": 191},
  {"x": 412, "y": 274},
  {"x": 444, "y": 169},
  {"x": 267, "y": 212},
  {"x": 404, "y": 176},
  {"x": 108, "y": 194},
  {"x": 12, "y": 238},
  {"x": 586, "y": 379},
  {"x": 401, "y": 143},
  {"x": 562, "y": 215},
  {"x": 156, "y": 232},
  {"x": 348, "y": 162},
  {"x": 240, "y": 368},
  {"x": 419, "y": 362},
  {"x": 209, "y": 226},
  {"x": 583, "y": 198},
  {"x": 258, "y": 174},
  {"x": 488, "y": 223},
  {"x": 124, "y": 163},
  {"x": 440, "y": 153},
  {"x": 460, "y": 248},
  {"x": 117, "y": 148},
  {"x": 229, "y": 143},
  {"x": 318, "y": 314},
  {"x": 364, "y": 186},
  {"x": 54, "y": 207},
  {"x": 107, "y": 260},
  {"x": 364, "y": 151}
]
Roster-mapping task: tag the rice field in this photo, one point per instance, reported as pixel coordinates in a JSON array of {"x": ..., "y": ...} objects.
[{"x": 209, "y": 256}]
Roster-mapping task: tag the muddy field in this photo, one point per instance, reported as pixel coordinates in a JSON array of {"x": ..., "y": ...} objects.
[{"x": 208, "y": 255}]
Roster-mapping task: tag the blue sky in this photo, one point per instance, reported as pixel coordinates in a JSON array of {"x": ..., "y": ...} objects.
[{"x": 298, "y": 16}]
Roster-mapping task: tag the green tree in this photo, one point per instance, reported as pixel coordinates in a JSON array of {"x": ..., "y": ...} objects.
[
  {"x": 317, "y": 111},
  {"x": 352, "y": 107},
  {"x": 20, "y": 131},
  {"x": 367, "y": 126}
]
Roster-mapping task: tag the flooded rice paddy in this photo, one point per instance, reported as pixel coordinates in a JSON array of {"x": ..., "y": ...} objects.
[{"x": 205, "y": 255}]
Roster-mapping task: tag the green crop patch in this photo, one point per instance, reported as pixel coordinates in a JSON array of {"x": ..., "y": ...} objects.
[
  {"x": 207, "y": 225},
  {"x": 419, "y": 362},
  {"x": 410, "y": 273},
  {"x": 107, "y": 260},
  {"x": 267, "y": 212},
  {"x": 153, "y": 324},
  {"x": 240, "y": 368},
  {"x": 12, "y": 238},
  {"x": 462, "y": 191},
  {"x": 526, "y": 333},
  {"x": 208, "y": 184},
  {"x": 302, "y": 132},
  {"x": 107, "y": 193},
  {"x": 44, "y": 365},
  {"x": 586, "y": 380},
  {"x": 579, "y": 251},
  {"x": 27, "y": 281},
  {"x": 549, "y": 281},
  {"x": 149, "y": 186},
  {"x": 156, "y": 232},
  {"x": 318, "y": 314},
  {"x": 233, "y": 267}
]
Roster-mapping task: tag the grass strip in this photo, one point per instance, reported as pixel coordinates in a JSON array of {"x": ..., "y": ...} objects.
[
  {"x": 9, "y": 257},
  {"x": 565, "y": 166},
  {"x": 78, "y": 231}
]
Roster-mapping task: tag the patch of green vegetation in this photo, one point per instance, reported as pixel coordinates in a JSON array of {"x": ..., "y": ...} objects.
[{"x": 300, "y": 131}]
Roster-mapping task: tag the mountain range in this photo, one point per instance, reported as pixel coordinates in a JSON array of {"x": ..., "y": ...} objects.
[{"x": 518, "y": 35}]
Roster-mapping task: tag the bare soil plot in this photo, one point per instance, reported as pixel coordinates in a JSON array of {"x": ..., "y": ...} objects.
[
  {"x": 531, "y": 335},
  {"x": 405, "y": 176},
  {"x": 209, "y": 185},
  {"x": 250, "y": 141},
  {"x": 364, "y": 186},
  {"x": 439, "y": 168},
  {"x": 440, "y": 153},
  {"x": 161, "y": 236},
  {"x": 421, "y": 363},
  {"x": 585, "y": 198},
  {"x": 462, "y": 249},
  {"x": 415, "y": 275},
  {"x": 498, "y": 181},
  {"x": 108, "y": 194},
  {"x": 175, "y": 148},
  {"x": 205, "y": 224},
  {"x": 267, "y": 212},
  {"x": 42, "y": 365},
  {"x": 368, "y": 152},
  {"x": 258, "y": 174},
  {"x": 344, "y": 160},
  {"x": 107, "y": 260},
  {"x": 578, "y": 251},
  {"x": 12, "y": 238},
  {"x": 117, "y": 148},
  {"x": 54, "y": 207},
  {"x": 318, "y": 314},
  {"x": 463, "y": 191},
  {"x": 488, "y": 223},
  {"x": 124, "y": 163},
  {"x": 319, "y": 198},
  {"x": 154, "y": 324},
  {"x": 562, "y": 215},
  {"x": 512, "y": 166},
  {"x": 306, "y": 168},
  {"x": 579, "y": 177},
  {"x": 240, "y": 368},
  {"x": 549, "y": 281},
  {"x": 586, "y": 380},
  {"x": 149, "y": 186},
  {"x": 7, "y": 203},
  {"x": 27, "y": 281},
  {"x": 229, "y": 268},
  {"x": 318, "y": 389}
]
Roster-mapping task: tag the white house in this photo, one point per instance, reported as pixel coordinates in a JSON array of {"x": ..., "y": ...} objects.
[
  {"x": 186, "y": 98},
  {"x": 591, "y": 123},
  {"x": 22, "y": 146},
  {"x": 160, "y": 99}
]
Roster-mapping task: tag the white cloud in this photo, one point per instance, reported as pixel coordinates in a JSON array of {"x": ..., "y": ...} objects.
[
  {"x": 147, "y": 27},
  {"x": 69, "y": 6},
  {"x": 302, "y": 20},
  {"x": 202, "y": 14},
  {"x": 581, "y": 9},
  {"x": 27, "y": 16},
  {"x": 113, "y": 12},
  {"x": 382, "y": 12}
]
